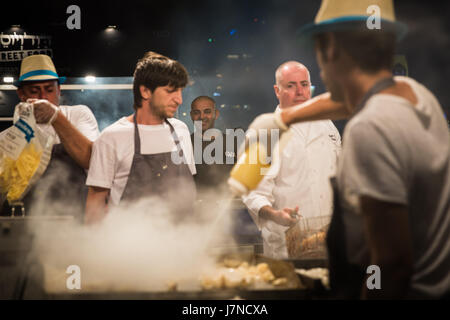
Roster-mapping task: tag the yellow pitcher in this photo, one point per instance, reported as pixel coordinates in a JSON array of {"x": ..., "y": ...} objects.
[{"x": 252, "y": 165}]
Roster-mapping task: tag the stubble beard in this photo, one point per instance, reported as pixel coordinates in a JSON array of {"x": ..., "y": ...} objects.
[{"x": 159, "y": 111}]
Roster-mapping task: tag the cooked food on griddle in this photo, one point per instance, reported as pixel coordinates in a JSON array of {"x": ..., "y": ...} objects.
[
  {"x": 242, "y": 276},
  {"x": 316, "y": 273}
]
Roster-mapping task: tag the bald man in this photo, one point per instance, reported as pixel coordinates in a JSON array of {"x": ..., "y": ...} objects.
[
  {"x": 299, "y": 186},
  {"x": 210, "y": 176}
]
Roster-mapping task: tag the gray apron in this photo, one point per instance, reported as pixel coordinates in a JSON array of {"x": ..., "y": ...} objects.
[
  {"x": 157, "y": 175},
  {"x": 60, "y": 191},
  {"x": 346, "y": 279}
]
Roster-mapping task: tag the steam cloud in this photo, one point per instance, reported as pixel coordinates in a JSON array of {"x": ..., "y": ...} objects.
[{"x": 135, "y": 248}]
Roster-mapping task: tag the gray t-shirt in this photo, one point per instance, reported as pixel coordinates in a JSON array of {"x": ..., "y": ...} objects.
[{"x": 396, "y": 152}]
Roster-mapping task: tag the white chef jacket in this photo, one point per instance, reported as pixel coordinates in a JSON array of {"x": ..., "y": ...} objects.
[{"x": 301, "y": 179}]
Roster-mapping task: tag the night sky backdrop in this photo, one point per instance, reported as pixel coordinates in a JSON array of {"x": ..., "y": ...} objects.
[{"x": 241, "y": 41}]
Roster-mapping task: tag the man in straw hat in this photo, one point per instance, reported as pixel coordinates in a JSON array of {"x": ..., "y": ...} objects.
[
  {"x": 61, "y": 189},
  {"x": 392, "y": 190}
]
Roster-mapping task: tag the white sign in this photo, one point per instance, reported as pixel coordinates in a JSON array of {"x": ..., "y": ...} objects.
[
  {"x": 9, "y": 40},
  {"x": 18, "y": 55}
]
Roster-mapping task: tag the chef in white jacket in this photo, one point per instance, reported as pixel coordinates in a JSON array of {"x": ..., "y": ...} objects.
[{"x": 299, "y": 185}]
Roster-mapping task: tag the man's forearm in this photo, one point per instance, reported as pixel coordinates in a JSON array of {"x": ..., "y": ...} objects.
[
  {"x": 96, "y": 205},
  {"x": 75, "y": 143},
  {"x": 282, "y": 217},
  {"x": 318, "y": 108},
  {"x": 266, "y": 212}
]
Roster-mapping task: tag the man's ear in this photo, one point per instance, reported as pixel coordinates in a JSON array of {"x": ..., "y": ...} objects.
[
  {"x": 277, "y": 90},
  {"x": 146, "y": 93},
  {"x": 332, "y": 50},
  {"x": 21, "y": 94},
  {"x": 217, "y": 113}
]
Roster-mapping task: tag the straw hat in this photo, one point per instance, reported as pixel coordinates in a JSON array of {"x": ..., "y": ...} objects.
[
  {"x": 341, "y": 15},
  {"x": 38, "y": 67}
]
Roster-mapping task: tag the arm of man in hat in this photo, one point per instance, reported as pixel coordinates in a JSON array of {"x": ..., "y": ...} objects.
[
  {"x": 96, "y": 204},
  {"x": 318, "y": 108},
  {"x": 77, "y": 145},
  {"x": 321, "y": 107}
]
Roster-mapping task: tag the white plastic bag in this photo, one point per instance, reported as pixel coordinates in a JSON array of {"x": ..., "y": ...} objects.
[{"x": 24, "y": 154}]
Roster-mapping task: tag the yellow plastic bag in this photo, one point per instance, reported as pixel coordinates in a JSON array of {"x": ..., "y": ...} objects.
[{"x": 24, "y": 154}]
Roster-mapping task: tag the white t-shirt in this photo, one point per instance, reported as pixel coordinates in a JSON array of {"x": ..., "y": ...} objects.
[
  {"x": 396, "y": 152},
  {"x": 113, "y": 151},
  {"x": 81, "y": 117},
  {"x": 302, "y": 179}
]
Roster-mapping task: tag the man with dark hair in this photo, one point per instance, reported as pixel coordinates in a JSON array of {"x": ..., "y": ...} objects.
[
  {"x": 149, "y": 153},
  {"x": 392, "y": 190},
  {"x": 61, "y": 190},
  {"x": 212, "y": 169}
]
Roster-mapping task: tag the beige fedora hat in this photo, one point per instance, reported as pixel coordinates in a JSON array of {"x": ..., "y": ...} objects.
[
  {"x": 342, "y": 15},
  {"x": 38, "y": 67}
]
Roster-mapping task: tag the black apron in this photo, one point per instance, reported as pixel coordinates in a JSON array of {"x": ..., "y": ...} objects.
[
  {"x": 346, "y": 279},
  {"x": 157, "y": 175},
  {"x": 61, "y": 190}
]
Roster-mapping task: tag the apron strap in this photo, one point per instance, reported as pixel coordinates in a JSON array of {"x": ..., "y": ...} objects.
[
  {"x": 377, "y": 87},
  {"x": 175, "y": 138},
  {"x": 137, "y": 140}
]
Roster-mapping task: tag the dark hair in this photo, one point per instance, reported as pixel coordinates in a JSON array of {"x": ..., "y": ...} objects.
[
  {"x": 154, "y": 70},
  {"x": 202, "y": 98},
  {"x": 370, "y": 50}
]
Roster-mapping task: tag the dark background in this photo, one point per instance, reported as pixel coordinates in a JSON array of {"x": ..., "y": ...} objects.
[{"x": 259, "y": 35}]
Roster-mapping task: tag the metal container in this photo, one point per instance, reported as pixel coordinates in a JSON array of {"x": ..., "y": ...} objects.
[{"x": 306, "y": 239}]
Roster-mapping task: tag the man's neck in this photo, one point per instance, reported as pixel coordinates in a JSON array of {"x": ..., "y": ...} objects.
[
  {"x": 144, "y": 115},
  {"x": 359, "y": 83}
]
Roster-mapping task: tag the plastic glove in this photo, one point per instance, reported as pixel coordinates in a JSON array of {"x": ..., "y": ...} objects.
[{"x": 44, "y": 110}]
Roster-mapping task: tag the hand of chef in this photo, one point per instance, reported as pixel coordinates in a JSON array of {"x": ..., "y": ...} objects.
[
  {"x": 286, "y": 217},
  {"x": 44, "y": 110}
]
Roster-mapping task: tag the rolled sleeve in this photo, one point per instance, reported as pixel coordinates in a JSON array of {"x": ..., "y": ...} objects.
[
  {"x": 258, "y": 198},
  {"x": 102, "y": 165}
]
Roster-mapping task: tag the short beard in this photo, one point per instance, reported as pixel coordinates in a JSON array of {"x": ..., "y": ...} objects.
[{"x": 157, "y": 111}]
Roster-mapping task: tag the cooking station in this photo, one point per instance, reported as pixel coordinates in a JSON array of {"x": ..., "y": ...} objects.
[{"x": 25, "y": 276}]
